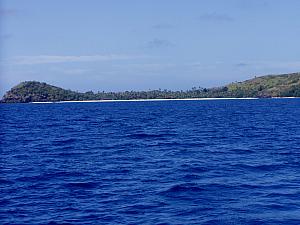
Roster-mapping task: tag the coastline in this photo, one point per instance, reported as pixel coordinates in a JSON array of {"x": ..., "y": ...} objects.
[
  {"x": 146, "y": 100},
  {"x": 161, "y": 99},
  {"x": 257, "y": 88}
]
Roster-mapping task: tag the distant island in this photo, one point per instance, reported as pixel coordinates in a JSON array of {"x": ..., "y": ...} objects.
[{"x": 285, "y": 85}]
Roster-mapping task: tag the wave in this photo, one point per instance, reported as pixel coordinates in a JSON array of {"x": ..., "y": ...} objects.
[
  {"x": 149, "y": 136},
  {"x": 262, "y": 168},
  {"x": 81, "y": 185}
]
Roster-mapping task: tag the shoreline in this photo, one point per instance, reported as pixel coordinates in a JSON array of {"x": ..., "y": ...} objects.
[
  {"x": 161, "y": 99},
  {"x": 146, "y": 100}
]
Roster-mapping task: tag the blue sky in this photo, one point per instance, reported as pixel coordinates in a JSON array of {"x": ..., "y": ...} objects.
[{"x": 116, "y": 45}]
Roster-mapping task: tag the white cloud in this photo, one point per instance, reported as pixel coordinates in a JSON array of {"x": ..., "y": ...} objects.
[
  {"x": 71, "y": 71},
  {"x": 46, "y": 59},
  {"x": 159, "y": 43},
  {"x": 215, "y": 17},
  {"x": 270, "y": 64}
]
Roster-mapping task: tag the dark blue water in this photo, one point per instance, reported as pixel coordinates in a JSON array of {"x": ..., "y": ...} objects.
[{"x": 177, "y": 162}]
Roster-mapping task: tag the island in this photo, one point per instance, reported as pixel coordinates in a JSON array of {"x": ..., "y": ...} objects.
[{"x": 284, "y": 85}]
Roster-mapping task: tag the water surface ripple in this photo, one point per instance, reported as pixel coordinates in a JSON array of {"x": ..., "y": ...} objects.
[{"x": 177, "y": 162}]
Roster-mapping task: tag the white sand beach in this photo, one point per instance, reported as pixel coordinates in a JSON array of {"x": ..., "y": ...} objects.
[{"x": 148, "y": 100}]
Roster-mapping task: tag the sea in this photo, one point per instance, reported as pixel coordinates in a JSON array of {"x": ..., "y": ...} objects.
[{"x": 154, "y": 162}]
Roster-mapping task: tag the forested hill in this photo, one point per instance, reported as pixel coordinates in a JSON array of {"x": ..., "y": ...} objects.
[{"x": 286, "y": 85}]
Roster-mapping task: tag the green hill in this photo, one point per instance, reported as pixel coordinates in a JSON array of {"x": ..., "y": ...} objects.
[
  {"x": 286, "y": 85},
  {"x": 33, "y": 91}
]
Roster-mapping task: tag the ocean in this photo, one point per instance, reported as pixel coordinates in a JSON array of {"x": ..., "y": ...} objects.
[{"x": 161, "y": 162}]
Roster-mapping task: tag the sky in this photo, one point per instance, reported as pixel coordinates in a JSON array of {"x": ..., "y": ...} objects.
[{"x": 117, "y": 45}]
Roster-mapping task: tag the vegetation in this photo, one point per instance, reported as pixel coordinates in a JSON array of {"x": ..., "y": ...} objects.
[{"x": 286, "y": 85}]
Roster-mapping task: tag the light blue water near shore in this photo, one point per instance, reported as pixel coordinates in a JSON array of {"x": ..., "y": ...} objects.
[{"x": 176, "y": 162}]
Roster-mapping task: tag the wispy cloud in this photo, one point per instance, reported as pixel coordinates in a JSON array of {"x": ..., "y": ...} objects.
[
  {"x": 70, "y": 71},
  {"x": 47, "y": 59},
  {"x": 242, "y": 64},
  {"x": 269, "y": 64},
  {"x": 215, "y": 17},
  {"x": 253, "y": 5},
  {"x": 159, "y": 43},
  {"x": 150, "y": 66}
]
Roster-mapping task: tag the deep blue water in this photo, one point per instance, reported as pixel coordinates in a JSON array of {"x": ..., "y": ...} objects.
[{"x": 175, "y": 162}]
